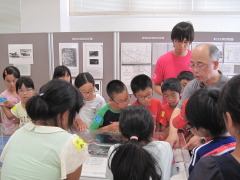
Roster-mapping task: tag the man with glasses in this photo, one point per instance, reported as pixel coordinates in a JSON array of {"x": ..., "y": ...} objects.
[
  {"x": 107, "y": 117},
  {"x": 204, "y": 63},
  {"x": 141, "y": 86}
]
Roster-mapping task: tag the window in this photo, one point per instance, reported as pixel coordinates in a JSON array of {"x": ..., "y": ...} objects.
[{"x": 130, "y": 7}]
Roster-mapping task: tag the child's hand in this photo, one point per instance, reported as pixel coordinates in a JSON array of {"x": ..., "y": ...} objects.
[
  {"x": 9, "y": 104},
  {"x": 80, "y": 125},
  {"x": 114, "y": 126}
]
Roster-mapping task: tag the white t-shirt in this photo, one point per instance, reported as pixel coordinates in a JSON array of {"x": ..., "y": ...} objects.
[
  {"x": 42, "y": 152},
  {"x": 89, "y": 110},
  {"x": 161, "y": 151},
  {"x": 20, "y": 112}
]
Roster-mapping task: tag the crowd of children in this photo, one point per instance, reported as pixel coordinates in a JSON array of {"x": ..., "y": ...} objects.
[{"x": 46, "y": 119}]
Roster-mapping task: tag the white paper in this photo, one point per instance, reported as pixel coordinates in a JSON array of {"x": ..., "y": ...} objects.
[
  {"x": 94, "y": 167},
  {"x": 158, "y": 49},
  {"x": 135, "y": 53},
  {"x": 232, "y": 52},
  {"x": 98, "y": 86},
  {"x": 218, "y": 44},
  {"x": 20, "y": 53},
  {"x": 93, "y": 59},
  {"x": 25, "y": 69},
  {"x": 128, "y": 72},
  {"x": 68, "y": 56},
  {"x": 226, "y": 68}
]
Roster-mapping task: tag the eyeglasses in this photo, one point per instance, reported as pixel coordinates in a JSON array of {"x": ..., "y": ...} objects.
[
  {"x": 89, "y": 92},
  {"x": 25, "y": 90},
  {"x": 122, "y": 102},
  {"x": 199, "y": 66},
  {"x": 147, "y": 96},
  {"x": 188, "y": 127}
]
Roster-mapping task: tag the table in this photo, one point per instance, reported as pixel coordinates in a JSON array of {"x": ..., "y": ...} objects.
[{"x": 94, "y": 168}]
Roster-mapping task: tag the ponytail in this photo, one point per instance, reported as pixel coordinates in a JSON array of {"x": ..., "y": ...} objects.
[{"x": 132, "y": 162}]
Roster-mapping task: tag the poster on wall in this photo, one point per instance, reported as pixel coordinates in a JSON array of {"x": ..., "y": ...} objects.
[
  {"x": 68, "y": 56},
  {"x": 25, "y": 69},
  {"x": 20, "y": 53},
  {"x": 98, "y": 87},
  {"x": 136, "y": 53},
  {"x": 128, "y": 72},
  {"x": 93, "y": 59}
]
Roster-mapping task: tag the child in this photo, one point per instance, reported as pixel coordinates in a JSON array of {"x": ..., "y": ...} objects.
[
  {"x": 10, "y": 75},
  {"x": 171, "y": 89},
  {"x": 25, "y": 90},
  {"x": 185, "y": 77},
  {"x": 224, "y": 166},
  {"x": 201, "y": 112},
  {"x": 141, "y": 86},
  {"x": 107, "y": 117},
  {"x": 139, "y": 158},
  {"x": 62, "y": 72},
  {"x": 45, "y": 144},
  {"x": 85, "y": 83}
]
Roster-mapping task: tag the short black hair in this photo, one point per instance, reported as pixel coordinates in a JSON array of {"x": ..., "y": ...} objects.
[
  {"x": 188, "y": 75},
  {"x": 140, "y": 83},
  {"x": 60, "y": 71},
  {"x": 28, "y": 83},
  {"x": 83, "y": 78},
  {"x": 172, "y": 84},
  {"x": 201, "y": 111},
  {"x": 115, "y": 87},
  {"x": 11, "y": 70},
  {"x": 183, "y": 30}
]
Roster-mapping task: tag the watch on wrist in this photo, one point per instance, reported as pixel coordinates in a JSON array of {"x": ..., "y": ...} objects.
[{"x": 202, "y": 140}]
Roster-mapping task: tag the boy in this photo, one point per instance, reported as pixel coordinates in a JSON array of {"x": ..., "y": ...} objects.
[
  {"x": 107, "y": 117},
  {"x": 201, "y": 119},
  {"x": 141, "y": 86},
  {"x": 172, "y": 63},
  {"x": 185, "y": 77},
  {"x": 171, "y": 89}
]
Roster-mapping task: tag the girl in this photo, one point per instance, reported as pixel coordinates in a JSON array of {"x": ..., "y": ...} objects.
[
  {"x": 85, "y": 83},
  {"x": 62, "y": 72},
  {"x": 25, "y": 89},
  {"x": 139, "y": 158},
  {"x": 43, "y": 148},
  {"x": 224, "y": 166},
  {"x": 10, "y": 75}
]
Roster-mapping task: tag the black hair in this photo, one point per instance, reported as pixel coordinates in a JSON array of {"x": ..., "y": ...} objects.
[
  {"x": 83, "y": 78},
  {"x": 55, "y": 98},
  {"x": 115, "y": 87},
  {"x": 140, "y": 83},
  {"x": 188, "y": 75},
  {"x": 130, "y": 160},
  {"x": 201, "y": 111},
  {"x": 230, "y": 100},
  {"x": 183, "y": 30},
  {"x": 11, "y": 70},
  {"x": 172, "y": 84},
  {"x": 28, "y": 83},
  {"x": 60, "y": 71}
]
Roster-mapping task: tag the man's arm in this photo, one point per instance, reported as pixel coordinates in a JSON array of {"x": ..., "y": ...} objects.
[{"x": 157, "y": 88}]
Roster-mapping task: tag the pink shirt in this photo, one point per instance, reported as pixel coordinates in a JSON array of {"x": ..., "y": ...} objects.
[
  {"x": 9, "y": 124},
  {"x": 169, "y": 66}
]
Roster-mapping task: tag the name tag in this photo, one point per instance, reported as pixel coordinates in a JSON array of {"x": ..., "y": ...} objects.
[{"x": 79, "y": 143}]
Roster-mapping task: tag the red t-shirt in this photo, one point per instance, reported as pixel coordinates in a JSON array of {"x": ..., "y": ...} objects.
[
  {"x": 166, "y": 115},
  {"x": 155, "y": 108},
  {"x": 169, "y": 66}
]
